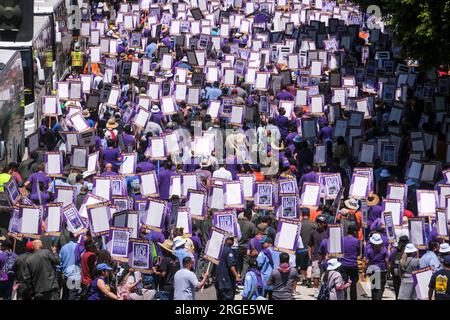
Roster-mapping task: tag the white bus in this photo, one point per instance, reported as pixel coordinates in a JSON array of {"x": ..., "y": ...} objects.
[
  {"x": 11, "y": 111},
  {"x": 57, "y": 12},
  {"x": 37, "y": 75}
]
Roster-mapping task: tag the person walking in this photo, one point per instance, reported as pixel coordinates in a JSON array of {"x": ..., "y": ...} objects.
[
  {"x": 20, "y": 269},
  {"x": 226, "y": 272},
  {"x": 186, "y": 282},
  {"x": 41, "y": 275},
  {"x": 333, "y": 280},
  {"x": 349, "y": 262},
  {"x": 408, "y": 264},
  {"x": 283, "y": 279},
  {"x": 375, "y": 265}
]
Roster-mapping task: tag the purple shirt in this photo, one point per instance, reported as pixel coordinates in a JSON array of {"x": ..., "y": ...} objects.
[
  {"x": 128, "y": 139},
  {"x": 108, "y": 173},
  {"x": 351, "y": 252},
  {"x": 164, "y": 183},
  {"x": 374, "y": 213},
  {"x": 326, "y": 133},
  {"x": 34, "y": 179},
  {"x": 376, "y": 259},
  {"x": 285, "y": 95},
  {"x": 146, "y": 166},
  {"x": 110, "y": 155},
  {"x": 157, "y": 117},
  {"x": 308, "y": 177},
  {"x": 282, "y": 122}
]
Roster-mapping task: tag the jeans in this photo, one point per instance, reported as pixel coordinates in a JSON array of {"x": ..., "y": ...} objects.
[
  {"x": 352, "y": 274},
  {"x": 6, "y": 289}
]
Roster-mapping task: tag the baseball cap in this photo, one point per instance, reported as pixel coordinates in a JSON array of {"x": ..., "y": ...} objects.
[
  {"x": 447, "y": 261},
  {"x": 103, "y": 266}
]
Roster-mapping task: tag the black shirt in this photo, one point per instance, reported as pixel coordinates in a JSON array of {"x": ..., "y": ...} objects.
[
  {"x": 169, "y": 265},
  {"x": 439, "y": 282}
]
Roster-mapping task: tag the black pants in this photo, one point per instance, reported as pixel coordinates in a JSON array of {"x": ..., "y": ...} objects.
[
  {"x": 242, "y": 261},
  {"x": 352, "y": 274},
  {"x": 49, "y": 295},
  {"x": 225, "y": 294},
  {"x": 397, "y": 281}
]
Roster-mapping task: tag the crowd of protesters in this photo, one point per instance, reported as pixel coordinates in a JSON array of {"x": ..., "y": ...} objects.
[{"x": 78, "y": 266}]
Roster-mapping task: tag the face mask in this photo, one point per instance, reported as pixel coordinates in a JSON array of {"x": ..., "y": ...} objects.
[
  {"x": 99, "y": 11},
  {"x": 84, "y": 11}
]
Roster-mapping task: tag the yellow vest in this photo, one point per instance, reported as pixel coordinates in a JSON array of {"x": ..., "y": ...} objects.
[
  {"x": 4, "y": 178},
  {"x": 77, "y": 59}
]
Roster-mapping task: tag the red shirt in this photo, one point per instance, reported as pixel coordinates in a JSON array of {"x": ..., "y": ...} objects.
[{"x": 88, "y": 260}]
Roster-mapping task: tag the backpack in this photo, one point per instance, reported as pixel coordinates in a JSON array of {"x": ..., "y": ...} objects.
[{"x": 324, "y": 291}]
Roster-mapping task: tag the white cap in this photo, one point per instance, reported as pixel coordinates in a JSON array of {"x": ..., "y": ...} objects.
[
  {"x": 376, "y": 239},
  {"x": 333, "y": 264},
  {"x": 444, "y": 248},
  {"x": 410, "y": 248},
  {"x": 178, "y": 242}
]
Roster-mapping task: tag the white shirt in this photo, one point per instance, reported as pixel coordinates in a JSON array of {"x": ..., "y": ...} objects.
[{"x": 222, "y": 173}]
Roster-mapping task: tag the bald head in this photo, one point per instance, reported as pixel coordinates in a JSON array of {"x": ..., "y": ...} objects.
[
  {"x": 108, "y": 167},
  {"x": 37, "y": 245}
]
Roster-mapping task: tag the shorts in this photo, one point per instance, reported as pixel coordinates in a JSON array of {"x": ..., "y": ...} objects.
[
  {"x": 302, "y": 261},
  {"x": 315, "y": 273}
]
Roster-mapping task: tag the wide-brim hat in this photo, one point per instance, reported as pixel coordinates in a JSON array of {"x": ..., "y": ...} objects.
[
  {"x": 112, "y": 124},
  {"x": 376, "y": 239},
  {"x": 167, "y": 245},
  {"x": 86, "y": 113},
  {"x": 205, "y": 163},
  {"x": 410, "y": 248},
  {"x": 375, "y": 200},
  {"x": 351, "y": 204},
  {"x": 155, "y": 109},
  {"x": 444, "y": 248},
  {"x": 333, "y": 264}
]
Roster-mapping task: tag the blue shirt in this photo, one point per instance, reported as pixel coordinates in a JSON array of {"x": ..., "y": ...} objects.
[
  {"x": 67, "y": 257},
  {"x": 213, "y": 93},
  {"x": 265, "y": 266},
  {"x": 430, "y": 259},
  {"x": 251, "y": 285}
]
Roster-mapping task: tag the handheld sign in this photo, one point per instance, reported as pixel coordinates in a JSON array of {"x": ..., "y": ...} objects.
[
  {"x": 99, "y": 216},
  {"x": 30, "y": 221},
  {"x": 214, "y": 246},
  {"x": 226, "y": 220},
  {"x": 336, "y": 240},
  {"x": 140, "y": 256},
  {"x": 53, "y": 219},
  {"x": 286, "y": 239},
  {"x": 422, "y": 279},
  {"x": 118, "y": 245},
  {"x": 153, "y": 218}
]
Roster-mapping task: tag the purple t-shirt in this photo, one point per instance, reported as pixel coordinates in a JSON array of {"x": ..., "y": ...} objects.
[
  {"x": 351, "y": 252},
  {"x": 157, "y": 117},
  {"x": 108, "y": 173},
  {"x": 164, "y": 183},
  {"x": 34, "y": 179},
  {"x": 110, "y": 155},
  {"x": 309, "y": 177},
  {"x": 282, "y": 122},
  {"x": 374, "y": 213},
  {"x": 326, "y": 133},
  {"x": 376, "y": 259},
  {"x": 146, "y": 166},
  {"x": 285, "y": 95},
  {"x": 128, "y": 139}
]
